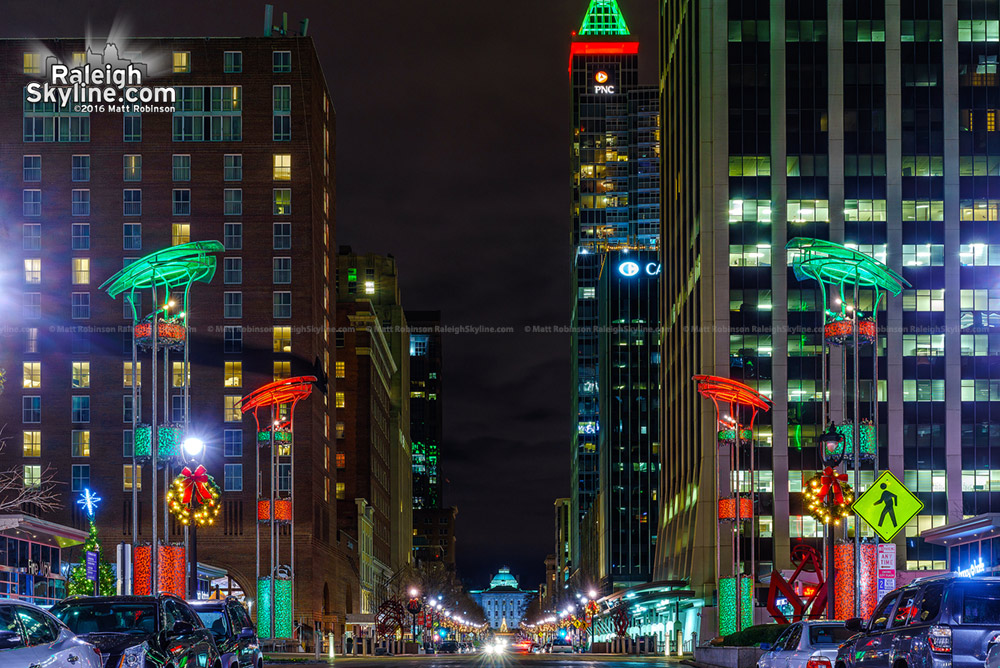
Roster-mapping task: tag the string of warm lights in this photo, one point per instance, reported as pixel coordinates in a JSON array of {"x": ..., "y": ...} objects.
[
  {"x": 816, "y": 495},
  {"x": 194, "y": 497}
]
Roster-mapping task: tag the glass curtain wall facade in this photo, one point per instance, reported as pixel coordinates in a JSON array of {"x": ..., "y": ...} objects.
[
  {"x": 870, "y": 124},
  {"x": 615, "y": 201},
  {"x": 629, "y": 366}
]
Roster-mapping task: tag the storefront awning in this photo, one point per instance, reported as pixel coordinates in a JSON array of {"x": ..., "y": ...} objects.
[
  {"x": 967, "y": 531},
  {"x": 41, "y": 531}
]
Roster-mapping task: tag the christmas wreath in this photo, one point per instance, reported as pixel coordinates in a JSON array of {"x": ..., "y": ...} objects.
[
  {"x": 817, "y": 495},
  {"x": 194, "y": 496}
]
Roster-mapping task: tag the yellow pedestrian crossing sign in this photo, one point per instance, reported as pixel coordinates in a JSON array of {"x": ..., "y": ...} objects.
[{"x": 887, "y": 505}]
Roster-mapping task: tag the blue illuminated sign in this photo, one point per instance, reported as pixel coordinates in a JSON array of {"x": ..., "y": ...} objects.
[{"x": 628, "y": 269}]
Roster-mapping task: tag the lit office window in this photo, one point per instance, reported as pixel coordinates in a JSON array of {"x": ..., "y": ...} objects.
[
  {"x": 81, "y": 442},
  {"x": 233, "y": 376},
  {"x": 33, "y": 270},
  {"x": 282, "y": 169},
  {"x": 32, "y": 374},
  {"x": 231, "y": 408},
  {"x": 32, "y": 475},
  {"x": 182, "y": 62},
  {"x": 282, "y": 339},
  {"x": 32, "y": 63},
  {"x": 180, "y": 233},
  {"x": 127, "y": 478},
  {"x": 81, "y": 374},
  {"x": 282, "y": 370},
  {"x": 81, "y": 271},
  {"x": 32, "y": 444}
]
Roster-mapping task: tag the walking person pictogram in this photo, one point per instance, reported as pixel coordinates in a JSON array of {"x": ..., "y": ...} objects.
[{"x": 889, "y": 501}]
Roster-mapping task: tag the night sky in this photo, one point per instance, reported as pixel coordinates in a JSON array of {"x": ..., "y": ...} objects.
[{"x": 452, "y": 155}]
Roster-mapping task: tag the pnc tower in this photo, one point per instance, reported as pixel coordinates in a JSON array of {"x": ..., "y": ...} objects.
[{"x": 615, "y": 210}]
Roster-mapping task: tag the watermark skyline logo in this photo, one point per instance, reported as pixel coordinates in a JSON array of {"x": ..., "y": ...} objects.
[{"x": 100, "y": 82}]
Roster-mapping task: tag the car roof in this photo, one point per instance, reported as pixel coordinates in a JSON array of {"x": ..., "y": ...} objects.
[
  {"x": 116, "y": 599},
  {"x": 14, "y": 601}
]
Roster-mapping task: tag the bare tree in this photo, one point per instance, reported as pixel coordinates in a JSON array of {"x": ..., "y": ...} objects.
[{"x": 18, "y": 493}]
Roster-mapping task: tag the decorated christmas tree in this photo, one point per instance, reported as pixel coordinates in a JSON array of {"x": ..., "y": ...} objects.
[{"x": 78, "y": 582}]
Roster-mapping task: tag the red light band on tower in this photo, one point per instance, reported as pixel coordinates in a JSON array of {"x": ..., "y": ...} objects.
[{"x": 602, "y": 49}]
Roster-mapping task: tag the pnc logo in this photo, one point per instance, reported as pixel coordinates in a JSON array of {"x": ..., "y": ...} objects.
[{"x": 601, "y": 77}]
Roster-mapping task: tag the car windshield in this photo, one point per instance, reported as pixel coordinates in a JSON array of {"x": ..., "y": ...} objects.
[
  {"x": 833, "y": 634},
  {"x": 107, "y": 617},
  {"x": 215, "y": 621}
]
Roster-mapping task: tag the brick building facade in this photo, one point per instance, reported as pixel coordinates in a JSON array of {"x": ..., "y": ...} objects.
[{"x": 247, "y": 158}]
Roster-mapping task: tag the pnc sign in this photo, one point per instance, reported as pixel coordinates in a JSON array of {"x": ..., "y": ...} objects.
[
  {"x": 602, "y": 87},
  {"x": 628, "y": 269}
]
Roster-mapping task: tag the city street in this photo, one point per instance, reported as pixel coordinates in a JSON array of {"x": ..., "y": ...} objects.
[{"x": 506, "y": 661}]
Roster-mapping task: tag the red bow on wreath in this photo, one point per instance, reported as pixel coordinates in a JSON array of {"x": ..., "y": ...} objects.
[
  {"x": 196, "y": 482},
  {"x": 832, "y": 480}
]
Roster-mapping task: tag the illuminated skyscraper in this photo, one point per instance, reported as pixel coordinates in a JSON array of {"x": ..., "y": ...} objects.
[
  {"x": 426, "y": 423},
  {"x": 614, "y": 158},
  {"x": 871, "y": 124}
]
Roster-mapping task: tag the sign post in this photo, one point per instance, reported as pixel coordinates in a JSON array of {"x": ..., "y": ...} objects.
[
  {"x": 886, "y": 561},
  {"x": 92, "y": 571}
]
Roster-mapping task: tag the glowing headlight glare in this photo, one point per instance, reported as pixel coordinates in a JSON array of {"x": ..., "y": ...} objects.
[{"x": 133, "y": 656}]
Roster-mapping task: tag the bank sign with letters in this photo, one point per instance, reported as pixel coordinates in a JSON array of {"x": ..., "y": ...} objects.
[
  {"x": 603, "y": 80},
  {"x": 631, "y": 269}
]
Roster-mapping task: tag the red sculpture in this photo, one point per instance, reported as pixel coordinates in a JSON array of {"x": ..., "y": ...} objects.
[
  {"x": 807, "y": 559},
  {"x": 389, "y": 618},
  {"x": 621, "y": 619}
]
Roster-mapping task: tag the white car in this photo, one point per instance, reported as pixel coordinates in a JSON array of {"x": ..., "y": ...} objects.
[
  {"x": 32, "y": 638},
  {"x": 806, "y": 645}
]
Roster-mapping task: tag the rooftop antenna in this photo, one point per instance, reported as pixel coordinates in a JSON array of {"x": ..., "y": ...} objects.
[
  {"x": 268, "y": 16},
  {"x": 303, "y": 27}
]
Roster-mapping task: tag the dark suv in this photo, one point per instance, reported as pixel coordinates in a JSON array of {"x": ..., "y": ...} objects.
[
  {"x": 140, "y": 631},
  {"x": 230, "y": 623},
  {"x": 937, "y": 622}
]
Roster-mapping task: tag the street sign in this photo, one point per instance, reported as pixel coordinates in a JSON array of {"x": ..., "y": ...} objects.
[
  {"x": 887, "y": 506},
  {"x": 92, "y": 566},
  {"x": 886, "y": 568}
]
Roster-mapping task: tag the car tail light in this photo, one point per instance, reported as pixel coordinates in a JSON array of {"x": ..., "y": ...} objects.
[
  {"x": 818, "y": 662},
  {"x": 939, "y": 638}
]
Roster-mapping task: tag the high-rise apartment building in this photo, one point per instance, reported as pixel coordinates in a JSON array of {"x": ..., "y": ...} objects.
[
  {"x": 246, "y": 157},
  {"x": 426, "y": 419},
  {"x": 870, "y": 124},
  {"x": 615, "y": 167},
  {"x": 373, "y": 279}
]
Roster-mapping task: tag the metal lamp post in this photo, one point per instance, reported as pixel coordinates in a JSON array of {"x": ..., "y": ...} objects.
[
  {"x": 831, "y": 445},
  {"x": 193, "y": 449}
]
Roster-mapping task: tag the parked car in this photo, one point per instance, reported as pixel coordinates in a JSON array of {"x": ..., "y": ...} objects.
[
  {"x": 448, "y": 647},
  {"x": 31, "y": 637},
  {"x": 230, "y": 624},
  {"x": 140, "y": 631},
  {"x": 806, "y": 644},
  {"x": 561, "y": 647},
  {"x": 937, "y": 622}
]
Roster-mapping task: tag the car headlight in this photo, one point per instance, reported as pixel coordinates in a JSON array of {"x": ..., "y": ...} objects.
[{"x": 134, "y": 656}]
